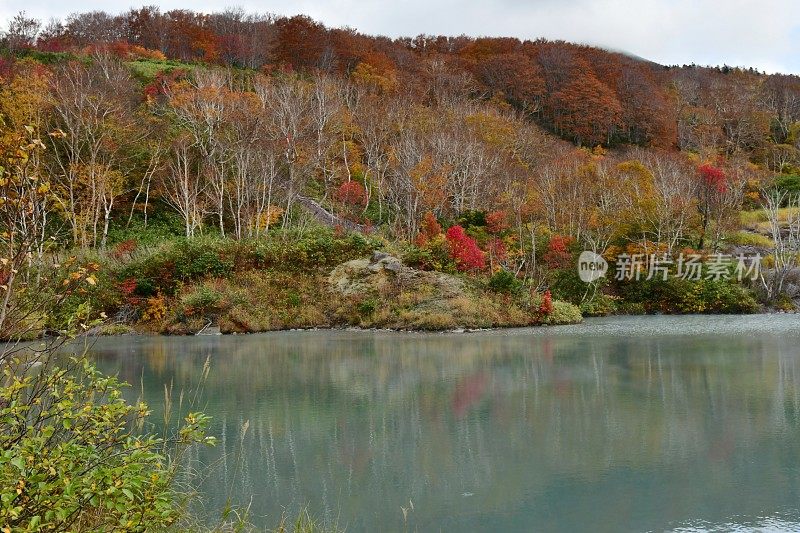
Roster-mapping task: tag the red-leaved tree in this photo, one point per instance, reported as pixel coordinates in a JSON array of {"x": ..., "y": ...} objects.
[
  {"x": 712, "y": 196},
  {"x": 352, "y": 193},
  {"x": 713, "y": 178},
  {"x": 496, "y": 222},
  {"x": 429, "y": 229},
  {"x": 558, "y": 254}
]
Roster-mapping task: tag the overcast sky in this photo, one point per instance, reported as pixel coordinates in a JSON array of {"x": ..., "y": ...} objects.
[{"x": 761, "y": 33}]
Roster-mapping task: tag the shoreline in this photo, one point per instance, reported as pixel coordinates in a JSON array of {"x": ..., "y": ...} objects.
[{"x": 133, "y": 332}]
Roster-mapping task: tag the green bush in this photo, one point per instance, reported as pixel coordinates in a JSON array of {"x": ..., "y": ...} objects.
[
  {"x": 784, "y": 303},
  {"x": 563, "y": 313},
  {"x": 566, "y": 284},
  {"x": 315, "y": 250},
  {"x": 185, "y": 260},
  {"x": 599, "y": 304},
  {"x": 630, "y": 308},
  {"x": 202, "y": 300},
  {"x": 747, "y": 238},
  {"x": 505, "y": 282},
  {"x": 367, "y": 307},
  {"x": 681, "y": 296},
  {"x": 70, "y": 460},
  {"x": 162, "y": 225},
  {"x": 435, "y": 255},
  {"x": 294, "y": 299},
  {"x": 472, "y": 219},
  {"x": 788, "y": 182}
]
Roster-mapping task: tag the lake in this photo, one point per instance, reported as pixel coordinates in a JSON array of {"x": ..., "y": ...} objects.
[{"x": 618, "y": 424}]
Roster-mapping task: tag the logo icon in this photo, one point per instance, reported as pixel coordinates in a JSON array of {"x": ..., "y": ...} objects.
[{"x": 591, "y": 266}]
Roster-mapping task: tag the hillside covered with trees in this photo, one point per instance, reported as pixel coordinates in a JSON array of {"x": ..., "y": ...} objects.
[{"x": 192, "y": 159}]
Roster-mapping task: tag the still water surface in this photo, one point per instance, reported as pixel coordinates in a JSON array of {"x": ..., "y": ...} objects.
[{"x": 618, "y": 424}]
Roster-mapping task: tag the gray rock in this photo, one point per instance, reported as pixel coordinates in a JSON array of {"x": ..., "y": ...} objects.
[
  {"x": 378, "y": 255},
  {"x": 393, "y": 266}
]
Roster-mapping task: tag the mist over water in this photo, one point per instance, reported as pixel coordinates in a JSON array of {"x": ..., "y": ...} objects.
[{"x": 619, "y": 424}]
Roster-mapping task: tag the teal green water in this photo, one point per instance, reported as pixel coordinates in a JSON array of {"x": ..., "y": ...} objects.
[{"x": 619, "y": 424}]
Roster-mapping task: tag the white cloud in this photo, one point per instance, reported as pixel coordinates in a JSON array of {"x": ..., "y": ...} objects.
[{"x": 763, "y": 34}]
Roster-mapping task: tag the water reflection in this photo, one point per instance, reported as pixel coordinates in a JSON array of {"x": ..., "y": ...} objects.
[{"x": 592, "y": 428}]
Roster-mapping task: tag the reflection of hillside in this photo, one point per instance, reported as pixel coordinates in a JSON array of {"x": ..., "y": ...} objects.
[{"x": 549, "y": 429}]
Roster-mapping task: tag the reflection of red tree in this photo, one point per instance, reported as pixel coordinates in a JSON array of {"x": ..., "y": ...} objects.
[
  {"x": 548, "y": 350},
  {"x": 468, "y": 392}
]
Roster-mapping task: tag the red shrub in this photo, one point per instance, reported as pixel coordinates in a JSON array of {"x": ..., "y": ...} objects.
[
  {"x": 162, "y": 82},
  {"x": 124, "y": 248},
  {"x": 546, "y": 307},
  {"x": 464, "y": 250},
  {"x": 128, "y": 288},
  {"x": 558, "y": 254},
  {"x": 429, "y": 229},
  {"x": 351, "y": 193},
  {"x": 496, "y": 222},
  {"x": 52, "y": 44},
  {"x": 6, "y": 68}
]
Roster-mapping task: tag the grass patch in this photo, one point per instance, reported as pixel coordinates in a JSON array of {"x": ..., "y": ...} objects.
[
  {"x": 145, "y": 70},
  {"x": 748, "y": 238},
  {"x": 758, "y": 217}
]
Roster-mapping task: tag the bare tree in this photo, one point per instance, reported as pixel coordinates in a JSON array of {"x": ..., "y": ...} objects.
[
  {"x": 786, "y": 236},
  {"x": 200, "y": 109},
  {"x": 21, "y": 33},
  {"x": 287, "y": 104},
  {"x": 94, "y": 116},
  {"x": 184, "y": 189}
]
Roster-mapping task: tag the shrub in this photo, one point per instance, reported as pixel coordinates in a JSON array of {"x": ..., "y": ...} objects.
[
  {"x": 367, "y": 307},
  {"x": 351, "y": 193},
  {"x": 294, "y": 299},
  {"x": 563, "y": 313},
  {"x": 70, "y": 460},
  {"x": 195, "y": 259},
  {"x": 713, "y": 177},
  {"x": 746, "y": 238},
  {"x": 201, "y": 300},
  {"x": 599, "y": 304},
  {"x": 784, "y": 303},
  {"x": 179, "y": 261},
  {"x": 155, "y": 309},
  {"x": 789, "y": 183},
  {"x": 557, "y": 255},
  {"x": 429, "y": 229},
  {"x": 464, "y": 250},
  {"x": 162, "y": 224},
  {"x": 433, "y": 255},
  {"x": 631, "y": 308},
  {"x": 496, "y": 222},
  {"x": 681, "y": 296},
  {"x": 472, "y": 218},
  {"x": 124, "y": 248},
  {"x": 505, "y": 282}
]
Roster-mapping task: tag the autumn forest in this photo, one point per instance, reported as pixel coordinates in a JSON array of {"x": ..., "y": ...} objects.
[{"x": 183, "y": 159}]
